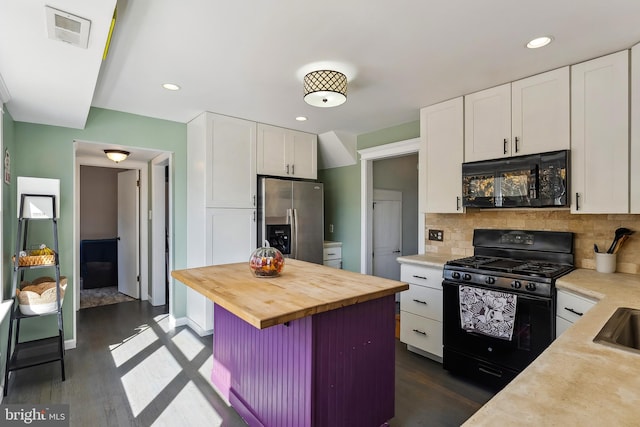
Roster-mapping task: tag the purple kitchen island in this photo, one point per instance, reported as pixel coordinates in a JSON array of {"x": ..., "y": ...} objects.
[{"x": 312, "y": 347}]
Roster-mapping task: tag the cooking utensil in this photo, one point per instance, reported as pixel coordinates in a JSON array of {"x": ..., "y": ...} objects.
[
  {"x": 620, "y": 242},
  {"x": 595, "y": 248},
  {"x": 618, "y": 234}
]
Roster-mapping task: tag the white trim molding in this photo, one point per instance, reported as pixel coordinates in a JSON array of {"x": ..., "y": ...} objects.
[{"x": 367, "y": 156}]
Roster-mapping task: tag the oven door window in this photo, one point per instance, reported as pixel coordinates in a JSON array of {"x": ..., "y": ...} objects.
[{"x": 533, "y": 331}]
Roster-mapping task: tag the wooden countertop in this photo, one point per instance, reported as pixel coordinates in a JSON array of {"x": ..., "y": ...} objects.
[
  {"x": 301, "y": 290},
  {"x": 576, "y": 381}
]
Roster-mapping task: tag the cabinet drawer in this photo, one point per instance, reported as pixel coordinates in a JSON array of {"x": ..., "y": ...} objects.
[
  {"x": 422, "y": 301},
  {"x": 333, "y": 263},
  {"x": 561, "y": 325},
  {"x": 420, "y": 332},
  {"x": 331, "y": 253},
  {"x": 419, "y": 275},
  {"x": 571, "y": 306}
]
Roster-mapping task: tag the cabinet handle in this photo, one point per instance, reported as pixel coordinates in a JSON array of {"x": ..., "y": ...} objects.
[
  {"x": 573, "y": 311},
  {"x": 418, "y": 331},
  {"x": 420, "y": 277},
  {"x": 505, "y": 146},
  {"x": 458, "y": 203},
  {"x": 287, "y": 169},
  {"x": 517, "y": 139},
  {"x": 293, "y": 169},
  {"x": 577, "y": 201},
  {"x": 330, "y": 253},
  {"x": 254, "y": 200},
  {"x": 254, "y": 216},
  {"x": 420, "y": 301}
]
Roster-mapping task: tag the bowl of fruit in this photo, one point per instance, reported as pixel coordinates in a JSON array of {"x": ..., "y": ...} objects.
[{"x": 266, "y": 262}]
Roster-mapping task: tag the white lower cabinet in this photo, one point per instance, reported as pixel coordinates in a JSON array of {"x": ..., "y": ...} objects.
[
  {"x": 421, "y": 310},
  {"x": 332, "y": 254},
  {"x": 569, "y": 308}
]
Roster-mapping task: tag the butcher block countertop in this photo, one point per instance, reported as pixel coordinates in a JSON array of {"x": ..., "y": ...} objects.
[
  {"x": 301, "y": 290},
  {"x": 576, "y": 382}
]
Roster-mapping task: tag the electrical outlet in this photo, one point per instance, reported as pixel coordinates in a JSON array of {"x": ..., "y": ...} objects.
[
  {"x": 330, "y": 228},
  {"x": 436, "y": 235}
]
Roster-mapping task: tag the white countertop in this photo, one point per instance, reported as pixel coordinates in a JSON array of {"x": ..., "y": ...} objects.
[
  {"x": 331, "y": 244},
  {"x": 576, "y": 382}
]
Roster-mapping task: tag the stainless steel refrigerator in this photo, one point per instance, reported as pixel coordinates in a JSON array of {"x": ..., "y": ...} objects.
[{"x": 291, "y": 217}]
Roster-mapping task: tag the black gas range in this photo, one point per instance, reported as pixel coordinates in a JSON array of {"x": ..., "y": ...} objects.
[{"x": 507, "y": 286}]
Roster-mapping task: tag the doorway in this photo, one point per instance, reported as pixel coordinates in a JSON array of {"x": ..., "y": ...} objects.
[
  {"x": 368, "y": 158},
  {"x": 92, "y": 154},
  {"x": 109, "y": 235}
]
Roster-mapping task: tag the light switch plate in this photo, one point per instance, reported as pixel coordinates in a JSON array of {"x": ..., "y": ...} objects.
[{"x": 436, "y": 235}]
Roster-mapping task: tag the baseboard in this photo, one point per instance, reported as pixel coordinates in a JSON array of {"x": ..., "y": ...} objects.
[
  {"x": 70, "y": 344},
  {"x": 174, "y": 322},
  {"x": 198, "y": 329}
]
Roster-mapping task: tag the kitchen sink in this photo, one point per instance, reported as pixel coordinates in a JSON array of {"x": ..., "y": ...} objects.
[{"x": 622, "y": 330}]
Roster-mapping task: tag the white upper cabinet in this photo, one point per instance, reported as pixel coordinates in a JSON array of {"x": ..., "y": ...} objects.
[
  {"x": 221, "y": 154},
  {"x": 635, "y": 130},
  {"x": 540, "y": 113},
  {"x": 487, "y": 124},
  {"x": 600, "y": 135},
  {"x": 441, "y": 156},
  {"x": 524, "y": 117},
  {"x": 286, "y": 152}
]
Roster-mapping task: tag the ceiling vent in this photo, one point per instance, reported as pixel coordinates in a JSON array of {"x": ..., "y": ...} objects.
[{"x": 68, "y": 28}]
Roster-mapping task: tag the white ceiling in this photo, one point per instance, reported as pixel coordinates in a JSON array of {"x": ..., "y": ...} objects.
[{"x": 247, "y": 58}]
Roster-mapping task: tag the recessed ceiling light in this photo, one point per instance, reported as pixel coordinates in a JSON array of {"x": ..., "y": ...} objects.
[
  {"x": 301, "y": 118},
  {"x": 539, "y": 42},
  {"x": 171, "y": 86}
]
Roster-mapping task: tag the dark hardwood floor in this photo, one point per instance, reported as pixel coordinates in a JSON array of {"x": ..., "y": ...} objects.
[{"x": 131, "y": 369}]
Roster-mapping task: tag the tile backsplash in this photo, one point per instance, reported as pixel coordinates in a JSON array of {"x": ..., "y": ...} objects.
[{"x": 588, "y": 229}]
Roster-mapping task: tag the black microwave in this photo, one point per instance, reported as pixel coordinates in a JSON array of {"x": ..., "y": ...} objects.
[{"x": 536, "y": 180}]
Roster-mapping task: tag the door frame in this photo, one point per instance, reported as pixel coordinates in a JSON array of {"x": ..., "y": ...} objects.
[
  {"x": 144, "y": 226},
  {"x": 367, "y": 157},
  {"x": 158, "y": 220}
]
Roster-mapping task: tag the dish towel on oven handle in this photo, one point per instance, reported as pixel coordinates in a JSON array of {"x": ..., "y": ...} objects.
[{"x": 487, "y": 312}]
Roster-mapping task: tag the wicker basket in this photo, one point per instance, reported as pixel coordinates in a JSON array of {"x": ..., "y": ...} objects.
[
  {"x": 31, "y": 260},
  {"x": 39, "y": 296}
]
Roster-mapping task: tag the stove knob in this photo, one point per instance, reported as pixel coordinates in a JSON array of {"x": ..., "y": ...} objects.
[
  {"x": 531, "y": 286},
  {"x": 516, "y": 284},
  {"x": 455, "y": 275},
  {"x": 466, "y": 276},
  {"x": 490, "y": 280}
]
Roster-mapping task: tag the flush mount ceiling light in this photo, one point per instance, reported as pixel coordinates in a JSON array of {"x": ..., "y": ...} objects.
[
  {"x": 301, "y": 118},
  {"x": 539, "y": 42},
  {"x": 325, "y": 88},
  {"x": 171, "y": 86},
  {"x": 117, "y": 155}
]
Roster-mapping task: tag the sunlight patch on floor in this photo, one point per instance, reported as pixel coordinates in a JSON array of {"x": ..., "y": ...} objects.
[
  {"x": 133, "y": 345},
  {"x": 206, "y": 368},
  {"x": 189, "y": 408},
  {"x": 188, "y": 343},
  {"x": 148, "y": 379},
  {"x": 163, "y": 321}
]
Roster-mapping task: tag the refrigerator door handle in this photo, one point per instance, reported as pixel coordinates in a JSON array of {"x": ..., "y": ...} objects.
[
  {"x": 295, "y": 233},
  {"x": 289, "y": 216}
]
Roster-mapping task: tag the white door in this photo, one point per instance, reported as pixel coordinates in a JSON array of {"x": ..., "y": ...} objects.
[
  {"x": 387, "y": 233},
  {"x": 128, "y": 233}
]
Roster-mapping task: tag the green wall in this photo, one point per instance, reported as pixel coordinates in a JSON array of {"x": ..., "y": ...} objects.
[
  {"x": 48, "y": 152},
  {"x": 342, "y": 193}
]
